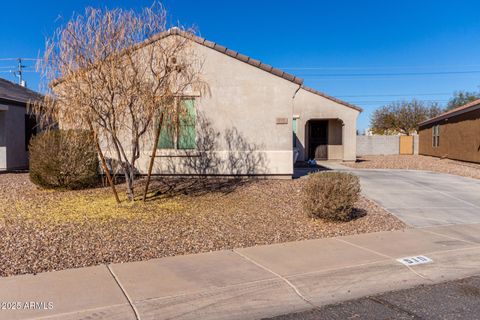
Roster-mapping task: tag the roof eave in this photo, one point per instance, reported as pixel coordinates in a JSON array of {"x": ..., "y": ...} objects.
[
  {"x": 469, "y": 107},
  {"x": 326, "y": 96}
]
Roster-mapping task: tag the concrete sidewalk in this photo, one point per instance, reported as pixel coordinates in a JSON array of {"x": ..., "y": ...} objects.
[{"x": 248, "y": 283}]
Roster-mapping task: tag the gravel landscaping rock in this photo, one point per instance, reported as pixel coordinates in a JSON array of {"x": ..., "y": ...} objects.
[
  {"x": 45, "y": 230},
  {"x": 460, "y": 168}
]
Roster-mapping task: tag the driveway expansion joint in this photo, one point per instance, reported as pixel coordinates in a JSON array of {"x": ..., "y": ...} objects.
[
  {"x": 290, "y": 284},
  {"x": 130, "y": 302}
]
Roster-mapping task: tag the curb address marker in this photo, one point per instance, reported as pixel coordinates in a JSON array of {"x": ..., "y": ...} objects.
[{"x": 412, "y": 261}]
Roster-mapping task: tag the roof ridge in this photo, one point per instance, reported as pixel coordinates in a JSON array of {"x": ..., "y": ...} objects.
[
  {"x": 236, "y": 55},
  {"x": 11, "y": 91},
  {"x": 17, "y": 85},
  {"x": 232, "y": 53},
  {"x": 246, "y": 59}
]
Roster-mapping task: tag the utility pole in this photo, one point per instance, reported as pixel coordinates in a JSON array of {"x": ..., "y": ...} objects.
[{"x": 19, "y": 73}]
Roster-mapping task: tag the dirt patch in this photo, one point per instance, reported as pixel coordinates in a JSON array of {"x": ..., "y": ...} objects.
[
  {"x": 460, "y": 168},
  {"x": 53, "y": 230}
]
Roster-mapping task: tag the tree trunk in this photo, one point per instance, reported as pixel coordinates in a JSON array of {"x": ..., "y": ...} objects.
[
  {"x": 152, "y": 158},
  {"x": 104, "y": 163},
  {"x": 129, "y": 177}
]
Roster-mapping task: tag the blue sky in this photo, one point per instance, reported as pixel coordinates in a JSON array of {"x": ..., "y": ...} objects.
[{"x": 365, "y": 52}]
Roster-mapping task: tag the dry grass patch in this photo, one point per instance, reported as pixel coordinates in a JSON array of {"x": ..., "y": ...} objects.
[{"x": 95, "y": 207}]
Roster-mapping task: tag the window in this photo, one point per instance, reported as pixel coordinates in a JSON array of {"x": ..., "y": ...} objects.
[
  {"x": 436, "y": 136},
  {"x": 179, "y": 131}
]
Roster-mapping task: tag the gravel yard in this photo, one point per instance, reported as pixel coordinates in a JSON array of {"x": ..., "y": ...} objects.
[
  {"x": 44, "y": 230},
  {"x": 460, "y": 168}
]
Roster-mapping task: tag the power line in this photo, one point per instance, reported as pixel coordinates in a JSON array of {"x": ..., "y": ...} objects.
[
  {"x": 10, "y": 71},
  {"x": 393, "y": 95},
  {"x": 388, "y": 74},
  {"x": 15, "y": 59},
  {"x": 389, "y": 78},
  {"x": 388, "y": 101},
  {"x": 380, "y": 67}
]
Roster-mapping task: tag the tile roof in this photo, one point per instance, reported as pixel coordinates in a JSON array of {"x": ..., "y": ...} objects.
[
  {"x": 246, "y": 59},
  {"x": 331, "y": 98},
  {"x": 224, "y": 50},
  {"x": 13, "y": 92},
  {"x": 471, "y": 106},
  {"x": 236, "y": 55}
]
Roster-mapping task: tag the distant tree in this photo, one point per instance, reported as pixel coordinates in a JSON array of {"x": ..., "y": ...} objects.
[
  {"x": 462, "y": 97},
  {"x": 402, "y": 116}
]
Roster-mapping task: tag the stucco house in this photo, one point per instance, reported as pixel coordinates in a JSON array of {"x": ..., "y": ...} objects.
[
  {"x": 454, "y": 134},
  {"x": 16, "y": 125},
  {"x": 257, "y": 120}
]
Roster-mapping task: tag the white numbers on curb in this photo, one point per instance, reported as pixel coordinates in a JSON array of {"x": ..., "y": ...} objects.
[{"x": 412, "y": 261}]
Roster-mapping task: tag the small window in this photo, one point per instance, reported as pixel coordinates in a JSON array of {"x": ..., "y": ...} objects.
[
  {"x": 436, "y": 136},
  {"x": 179, "y": 132}
]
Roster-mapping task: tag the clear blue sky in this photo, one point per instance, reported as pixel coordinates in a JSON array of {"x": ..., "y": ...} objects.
[{"x": 365, "y": 52}]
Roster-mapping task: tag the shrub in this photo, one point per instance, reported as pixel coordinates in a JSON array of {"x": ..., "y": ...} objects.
[
  {"x": 331, "y": 195},
  {"x": 63, "y": 159}
]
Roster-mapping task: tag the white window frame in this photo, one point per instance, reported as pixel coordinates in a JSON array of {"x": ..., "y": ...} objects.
[{"x": 436, "y": 136}]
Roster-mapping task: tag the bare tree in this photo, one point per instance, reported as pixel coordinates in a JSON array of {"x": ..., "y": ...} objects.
[
  {"x": 112, "y": 72},
  {"x": 402, "y": 117}
]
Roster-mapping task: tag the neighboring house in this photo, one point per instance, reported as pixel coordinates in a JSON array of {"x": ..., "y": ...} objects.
[
  {"x": 16, "y": 125},
  {"x": 454, "y": 134},
  {"x": 246, "y": 124}
]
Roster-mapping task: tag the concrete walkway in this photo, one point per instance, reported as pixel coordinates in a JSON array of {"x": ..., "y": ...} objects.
[{"x": 248, "y": 283}]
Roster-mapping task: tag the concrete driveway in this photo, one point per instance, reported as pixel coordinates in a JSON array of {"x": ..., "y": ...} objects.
[{"x": 422, "y": 198}]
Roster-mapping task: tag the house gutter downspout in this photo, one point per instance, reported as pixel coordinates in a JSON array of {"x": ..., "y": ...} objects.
[
  {"x": 298, "y": 89},
  {"x": 294, "y": 152}
]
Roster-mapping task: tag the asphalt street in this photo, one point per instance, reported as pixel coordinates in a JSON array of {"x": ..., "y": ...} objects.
[{"x": 458, "y": 299}]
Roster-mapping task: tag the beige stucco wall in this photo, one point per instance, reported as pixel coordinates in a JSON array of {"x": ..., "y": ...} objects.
[
  {"x": 308, "y": 106},
  {"x": 238, "y": 127},
  {"x": 241, "y": 111},
  {"x": 335, "y": 139}
]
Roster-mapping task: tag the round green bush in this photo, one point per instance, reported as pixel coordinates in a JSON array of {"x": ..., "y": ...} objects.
[
  {"x": 331, "y": 195},
  {"x": 63, "y": 159}
]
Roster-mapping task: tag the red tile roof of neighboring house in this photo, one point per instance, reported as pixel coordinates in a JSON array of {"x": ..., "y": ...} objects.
[{"x": 471, "y": 106}]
